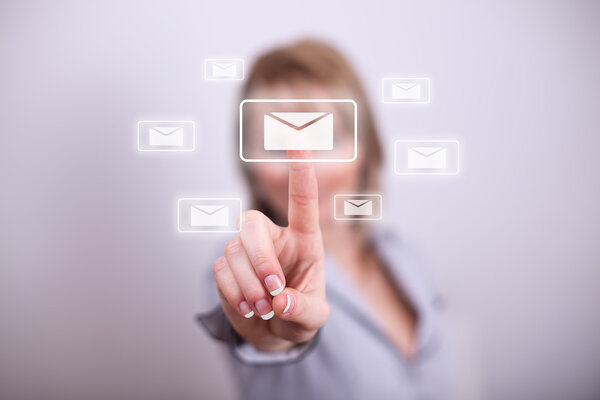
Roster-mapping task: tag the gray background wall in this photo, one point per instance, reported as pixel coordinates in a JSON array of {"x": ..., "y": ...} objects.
[{"x": 98, "y": 290}]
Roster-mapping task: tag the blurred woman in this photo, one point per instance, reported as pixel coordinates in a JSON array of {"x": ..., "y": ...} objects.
[{"x": 312, "y": 307}]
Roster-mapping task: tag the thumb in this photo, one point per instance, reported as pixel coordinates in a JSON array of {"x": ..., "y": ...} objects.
[{"x": 307, "y": 309}]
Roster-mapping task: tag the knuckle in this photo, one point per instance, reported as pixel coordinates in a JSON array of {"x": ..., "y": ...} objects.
[
  {"x": 219, "y": 265},
  {"x": 262, "y": 261},
  {"x": 303, "y": 199},
  {"x": 253, "y": 294},
  {"x": 253, "y": 217},
  {"x": 234, "y": 246}
]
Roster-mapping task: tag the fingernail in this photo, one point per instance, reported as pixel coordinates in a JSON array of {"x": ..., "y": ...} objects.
[
  {"x": 246, "y": 310},
  {"x": 264, "y": 309},
  {"x": 273, "y": 284},
  {"x": 268, "y": 315},
  {"x": 288, "y": 305}
]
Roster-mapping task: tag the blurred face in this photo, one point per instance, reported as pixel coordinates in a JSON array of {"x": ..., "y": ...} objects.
[{"x": 271, "y": 179}]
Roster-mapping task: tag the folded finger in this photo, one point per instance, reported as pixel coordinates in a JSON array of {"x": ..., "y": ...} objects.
[
  {"x": 257, "y": 237},
  {"x": 245, "y": 276},
  {"x": 229, "y": 287}
]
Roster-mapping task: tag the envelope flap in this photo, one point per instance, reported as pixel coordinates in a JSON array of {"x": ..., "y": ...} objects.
[
  {"x": 405, "y": 86},
  {"x": 298, "y": 120},
  {"x": 427, "y": 151},
  {"x": 358, "y": 202},
  {"x": 209, "y": 209},
  {"x": 166, "y": 130},
  {"x": 224, "y": 65}
]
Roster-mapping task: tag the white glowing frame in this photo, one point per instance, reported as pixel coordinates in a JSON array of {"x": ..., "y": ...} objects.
[
  {"x": 168, "y": 122},
  {"x": 299, "y": 101},
  {"x": 207, "y": 198},
  {"x": 383, "y": 82},
  {"x": 213, "y": 60},
  {"x": 358, "y": 219},
  {"x": 426, "y": 141}
]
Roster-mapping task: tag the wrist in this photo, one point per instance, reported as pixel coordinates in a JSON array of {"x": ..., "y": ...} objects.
[{"x": 272, "y": 345}]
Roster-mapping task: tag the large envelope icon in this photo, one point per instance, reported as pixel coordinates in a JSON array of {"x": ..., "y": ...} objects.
[
  {"x": 209, "y": 215},
  {"x": 358, "y": 207},
  {"x": 224, "y": 70},
  {"x": 406, "y": 91},
  {"x": 432, "y": 157},
  {"x": 299, "y": 131},
  {"x": 166, "y": 136}
]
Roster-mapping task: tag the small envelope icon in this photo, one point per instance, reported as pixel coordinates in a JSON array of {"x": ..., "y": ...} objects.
[
  {"x": 358, "y": 207},
  {"x": 431, "y": 157},
  {"x": 166, "y": 136},
  {"x": 209, "y": 215},
  {"x": 406, "y": 91},
  {"x": 298, "y": 131},
  {"x": 224, "y": 70}
]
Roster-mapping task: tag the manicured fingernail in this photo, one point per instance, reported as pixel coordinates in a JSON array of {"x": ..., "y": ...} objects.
[
  {"x": 246, "y": 310},
  {"x": 288, "y": 305},
  {"x": 273, "y": 284},
  {"x": 264, "y": 309},
  {"x": 268, "y": 315}
]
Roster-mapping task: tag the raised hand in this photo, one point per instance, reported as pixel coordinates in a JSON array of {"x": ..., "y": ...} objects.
[{"x": 271, "y": 279}]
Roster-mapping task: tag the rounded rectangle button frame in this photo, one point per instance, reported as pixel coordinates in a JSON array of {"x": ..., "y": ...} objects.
[
  {"x": 432, "y": 141},
  {"x": 149, "y": 148},
  {"x": 375, "y": 195},
  {"x": 241, "y": 138},
  {"x": 236, "y": 199}
]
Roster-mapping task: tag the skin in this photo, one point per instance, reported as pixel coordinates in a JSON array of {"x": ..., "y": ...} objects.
[{"x": 295, "y": 254}]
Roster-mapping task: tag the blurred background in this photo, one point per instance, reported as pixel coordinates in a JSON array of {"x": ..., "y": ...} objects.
[{"x": 98, "y": 290}]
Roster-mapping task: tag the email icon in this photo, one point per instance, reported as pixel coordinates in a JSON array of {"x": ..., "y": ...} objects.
[
  {"x": 406, "y": 91},
  {"x": 426, "y": 157},
  {"x": 298, "y": 124},
  {"x": 224, "y": 70},
  {"x": 358, "y": 207},
  {"x": 298, "y": 131},
  {"x": 209, "y": 215},
  {"x": 165, "y": 136},
  {"x": 430, "y": 157}
]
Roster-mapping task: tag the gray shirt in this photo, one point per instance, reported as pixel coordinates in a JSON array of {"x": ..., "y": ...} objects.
[{"x": 350, "y": 357}]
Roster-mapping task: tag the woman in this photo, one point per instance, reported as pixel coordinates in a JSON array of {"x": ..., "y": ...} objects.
[{"x": 373, "y": 328}]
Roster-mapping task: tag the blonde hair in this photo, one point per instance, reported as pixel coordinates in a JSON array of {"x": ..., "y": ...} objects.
[{"x": 315, "y": 61}]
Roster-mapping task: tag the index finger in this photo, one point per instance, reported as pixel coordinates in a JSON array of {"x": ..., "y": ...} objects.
[{"x": 303, "y": 203}]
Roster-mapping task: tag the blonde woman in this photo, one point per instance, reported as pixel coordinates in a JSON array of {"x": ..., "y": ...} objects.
[{"x": 311, "y": 307}]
